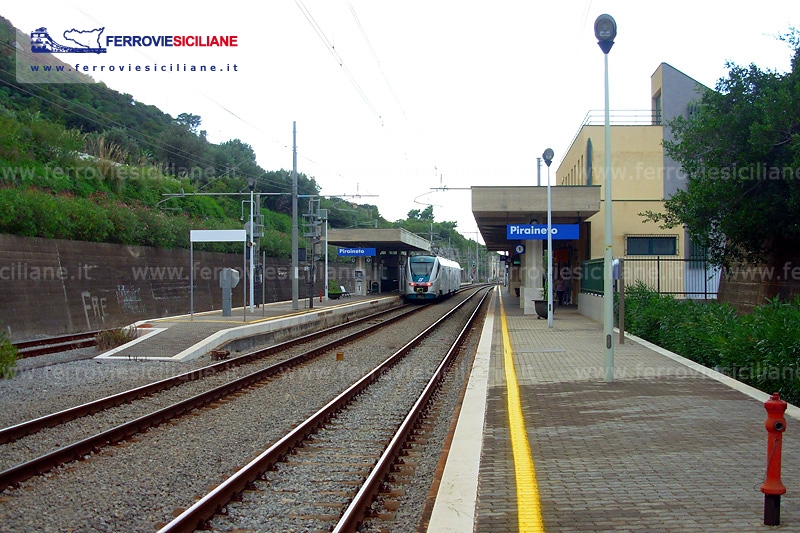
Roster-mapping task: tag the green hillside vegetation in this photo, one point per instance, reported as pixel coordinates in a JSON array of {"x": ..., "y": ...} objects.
[{"x": 81, "y": 161}]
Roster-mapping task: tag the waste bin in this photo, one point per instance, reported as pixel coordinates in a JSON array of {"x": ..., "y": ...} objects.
[{"x": 375, "y": 287}]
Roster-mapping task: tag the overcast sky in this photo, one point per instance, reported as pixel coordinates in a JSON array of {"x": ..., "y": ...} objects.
[{"x": 394, "y": 99}]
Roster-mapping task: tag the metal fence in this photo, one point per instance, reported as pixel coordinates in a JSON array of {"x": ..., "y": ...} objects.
[
  {"x": 592, "y": 277},
  {"x": 684, "y": 278}
]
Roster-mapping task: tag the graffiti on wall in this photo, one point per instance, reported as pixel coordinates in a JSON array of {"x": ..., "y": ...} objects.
[
  {"x": 97, "y": 307},
  {"x": 129, "y": 300}
]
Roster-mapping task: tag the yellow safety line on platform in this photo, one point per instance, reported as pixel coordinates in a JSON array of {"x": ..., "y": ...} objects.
[{"x": 529, "y": 509}]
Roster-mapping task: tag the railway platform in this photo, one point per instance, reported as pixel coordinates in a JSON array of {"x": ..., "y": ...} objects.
[
  {"x": 187, "y": 337},
  {"x": 543, "y": 443}
]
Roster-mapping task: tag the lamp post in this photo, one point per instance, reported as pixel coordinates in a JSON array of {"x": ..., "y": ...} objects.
[
  {"x": 548, "y": 158},
  {"x": 477, "y": 262},
  {"x": 252, "y": 183},
  {"x": 605, "y": 29},
  {"x": 295, "y": 236},
  {"x": 477, "y": 252},
  {"x": 325, "y": 289}
]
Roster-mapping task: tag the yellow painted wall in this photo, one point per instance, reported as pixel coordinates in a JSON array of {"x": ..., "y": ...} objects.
[{"x": 637, "y": 172}]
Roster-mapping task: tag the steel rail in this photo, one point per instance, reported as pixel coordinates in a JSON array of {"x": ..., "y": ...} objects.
[
  {"x": 62, "y": 343},
  {"x": 55, "y": 340},
  {"x": 17, "y": 474},
  {"x": 210, "y": 504},
  {"x": 354, "y": 513},
  {"x": 29, "y": 427}
]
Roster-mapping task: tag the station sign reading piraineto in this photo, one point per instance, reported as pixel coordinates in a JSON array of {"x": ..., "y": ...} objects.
[
  {"x": 356, "y": 252},
  {"x": 538, "y": 232}
]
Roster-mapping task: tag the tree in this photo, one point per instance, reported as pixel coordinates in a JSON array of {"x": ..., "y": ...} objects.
[
  {"x": 192, "y": 122},
  {"x": 740, "y": 151},
  {"x": 425, "y": 214}
]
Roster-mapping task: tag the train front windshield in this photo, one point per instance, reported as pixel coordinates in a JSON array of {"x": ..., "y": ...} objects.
[{"x": 421, "y": 268}]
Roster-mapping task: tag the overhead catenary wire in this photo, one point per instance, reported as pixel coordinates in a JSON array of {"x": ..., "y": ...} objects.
[
  {"x": 378, "y": 62},
  {"x": 329, "y": 46},
  {"x": 107, "y": 122},
  {"x": 104, "y": 121}
]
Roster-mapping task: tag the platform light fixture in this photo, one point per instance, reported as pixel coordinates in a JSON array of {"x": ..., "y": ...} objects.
[
  {"x": 605, "y": 29},
  {"x": 548, "y": 158}
]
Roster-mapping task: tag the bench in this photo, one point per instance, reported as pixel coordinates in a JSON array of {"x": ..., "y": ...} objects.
[{"x": 345, "y": 292}]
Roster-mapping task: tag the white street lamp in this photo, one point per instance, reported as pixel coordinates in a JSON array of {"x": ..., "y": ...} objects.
[
  {"x": 605, "y": 29},
  {"x": 548, "y": 158}
]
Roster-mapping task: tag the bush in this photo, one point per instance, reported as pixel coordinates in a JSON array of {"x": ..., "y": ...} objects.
[
  {"x": 761, "y": 349},
  {"x": 276, "y": 244},
  {"x": 111, "y": 338},
  {"x": 8, "y": 357},
  {"x": 766, "y": 349}
]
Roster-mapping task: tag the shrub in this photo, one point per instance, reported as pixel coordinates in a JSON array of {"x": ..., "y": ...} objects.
[
  {"x": 769, "y": 348},
  {"x": 276, "y": 244},
  {"x": 111, "y": 338},
  {"x": 761, "y": 349},
  {"x": 8, "y": 357}
]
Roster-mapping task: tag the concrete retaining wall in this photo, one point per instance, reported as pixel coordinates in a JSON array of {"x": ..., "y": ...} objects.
[
  {"x": 746, "y": 287},
  {"x": 591, "y": 306},
  {"x": 55, "y": 287}
]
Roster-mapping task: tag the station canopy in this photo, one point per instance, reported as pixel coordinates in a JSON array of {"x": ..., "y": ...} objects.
[
  {"x": 392, "y": 239},
  {"x": 496, "y": 207}
]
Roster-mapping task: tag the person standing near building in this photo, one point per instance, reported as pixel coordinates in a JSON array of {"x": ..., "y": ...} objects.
[{"x": 560, "y": 286}]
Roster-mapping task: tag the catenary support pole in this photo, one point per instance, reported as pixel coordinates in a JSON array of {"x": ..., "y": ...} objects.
[{"x": 295, "y": 238}]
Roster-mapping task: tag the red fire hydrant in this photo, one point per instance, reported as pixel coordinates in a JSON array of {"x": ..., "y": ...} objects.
[{"x": 772, "y": 487}]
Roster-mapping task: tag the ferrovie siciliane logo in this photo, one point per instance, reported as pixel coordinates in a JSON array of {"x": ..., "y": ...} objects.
[
  {"x": 83, "y": 41},
  {"x": 91, "y": 41}
]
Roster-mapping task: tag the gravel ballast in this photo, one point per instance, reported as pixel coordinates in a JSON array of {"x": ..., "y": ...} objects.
[{"x": 139, "y": 484}]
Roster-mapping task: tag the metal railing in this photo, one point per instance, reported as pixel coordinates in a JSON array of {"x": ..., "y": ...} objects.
[
  {"x": 619, "y": 117},
  {"x": 684, "y": 278},
  {"x": 592, "y": 276}
]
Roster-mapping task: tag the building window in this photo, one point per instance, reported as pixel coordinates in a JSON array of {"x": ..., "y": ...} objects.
[
  {"x": 651, "y": 245},
  {"x": 657, "y": 109},
  {"x": 697, "y": 252},
  {"x": 589, "y": 162},
  {"x": 698, "y": 255}
]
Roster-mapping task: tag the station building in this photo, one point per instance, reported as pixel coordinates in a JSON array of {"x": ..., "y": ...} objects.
[
  {"x": 643, "y": 177},
  {"x": 379, "y": 255}
]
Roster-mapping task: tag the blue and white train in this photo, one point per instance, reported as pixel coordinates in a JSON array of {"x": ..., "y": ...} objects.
[{"x": 430, "y": 277}]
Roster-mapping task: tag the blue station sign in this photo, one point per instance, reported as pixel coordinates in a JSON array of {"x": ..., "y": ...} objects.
[
  {"x": 356, "y": 252},
  {"x": 538, "y": 232}
]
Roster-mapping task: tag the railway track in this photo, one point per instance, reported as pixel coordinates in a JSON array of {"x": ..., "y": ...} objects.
[
  {"x": 349, "y": 436},
  {"x": 139, "y": 483},
  {"x": 17, "y": 431},
  {"x": 50, "y": 345},
  {"x": 63, "y": 454}
]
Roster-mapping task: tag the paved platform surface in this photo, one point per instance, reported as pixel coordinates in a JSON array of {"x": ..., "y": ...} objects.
[
  {"x": 189, "y": 336},
  {"x": 663, "y": 448}
]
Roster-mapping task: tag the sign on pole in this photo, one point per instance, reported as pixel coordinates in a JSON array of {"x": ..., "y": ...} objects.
[
  {"x": 538, "y": 232},
  {"x": 356, "y": 252},
  {"x": 215, "y": 235}
]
